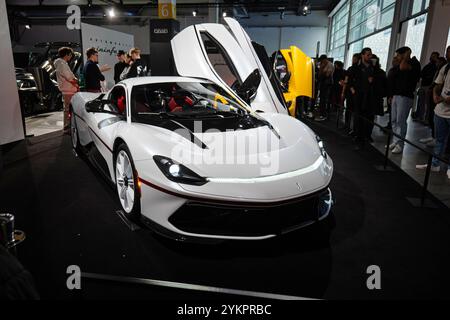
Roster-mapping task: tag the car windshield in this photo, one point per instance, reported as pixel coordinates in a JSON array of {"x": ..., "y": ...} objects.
[{"x": 182, "y": 99}]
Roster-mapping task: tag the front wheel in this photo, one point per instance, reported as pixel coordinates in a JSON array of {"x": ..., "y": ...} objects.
[
  {"x": 74, "y": 133},
  {"x": 126, "y": 183}
]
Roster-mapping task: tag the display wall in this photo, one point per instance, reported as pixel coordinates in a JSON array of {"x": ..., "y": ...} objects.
[
  {"x": 108, "y": 42},
  {"x": 11, "y": 128}
]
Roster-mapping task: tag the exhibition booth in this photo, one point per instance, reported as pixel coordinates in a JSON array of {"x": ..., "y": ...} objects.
[{"x": 204, "y": 170}]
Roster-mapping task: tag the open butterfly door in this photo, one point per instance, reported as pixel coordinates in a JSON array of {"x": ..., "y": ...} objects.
[{"x": 223, "y": 54}]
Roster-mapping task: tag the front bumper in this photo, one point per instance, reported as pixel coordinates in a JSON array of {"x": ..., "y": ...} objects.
[{"x": 196, "y": 221}]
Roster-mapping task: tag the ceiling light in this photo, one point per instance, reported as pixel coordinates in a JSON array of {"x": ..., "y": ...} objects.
[
  {"x": 111, "y": 13},
  {"x": 224, "y": 14},
  {"x": 27, "y": 26},
  {"x": 194, "y": 13}
]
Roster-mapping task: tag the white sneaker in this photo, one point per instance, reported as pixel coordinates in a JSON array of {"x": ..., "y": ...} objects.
[
  {"x": 431, "y": 144},
  {"x": 426, "y": 140},
  {"x": 397, "y": 149},
  {"x": 392, "y": 145},
  {"x": 433, "y": 168}
]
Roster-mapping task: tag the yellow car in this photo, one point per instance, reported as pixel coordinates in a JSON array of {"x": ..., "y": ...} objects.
[{"x": 296, "y": 73}]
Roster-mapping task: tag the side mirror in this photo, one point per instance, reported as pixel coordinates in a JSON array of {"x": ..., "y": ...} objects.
[
  {"x": 248, "y": 89},
  {"x": 94, "y": 105},
  {"x": 98, "y": 105}
]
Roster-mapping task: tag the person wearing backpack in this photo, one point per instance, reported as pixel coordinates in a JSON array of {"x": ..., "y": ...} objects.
[{"x": 441, "y": 96}]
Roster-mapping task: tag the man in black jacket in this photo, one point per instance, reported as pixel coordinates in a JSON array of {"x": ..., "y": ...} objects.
[
  {"x": 404, "y": 86},
  {"x": 361, "y": 88},
  {"x": 92, "y": 72},
  {"x": 119, "y": 66},
  {"x": 139, "y": 67}
]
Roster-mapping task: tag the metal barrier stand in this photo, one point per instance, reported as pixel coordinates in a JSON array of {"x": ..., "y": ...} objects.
[{"x": 390, "y": 134}]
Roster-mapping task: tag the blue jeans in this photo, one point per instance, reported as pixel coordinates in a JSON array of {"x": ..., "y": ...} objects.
[
  {"x": 401, "y": 106},
  {"x": 442, "y": 130}
]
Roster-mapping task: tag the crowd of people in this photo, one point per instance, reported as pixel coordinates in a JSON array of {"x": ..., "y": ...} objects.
[
  {"x": 129, "y": 65},
  {"x": 365, "y": 90}
]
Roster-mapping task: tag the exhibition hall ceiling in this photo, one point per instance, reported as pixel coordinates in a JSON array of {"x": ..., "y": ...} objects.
[
  {"x": 250, "y": 5},
  {"x": 139, "y": 11}
]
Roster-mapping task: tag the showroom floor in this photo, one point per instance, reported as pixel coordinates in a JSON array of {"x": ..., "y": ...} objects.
[
  {"x": 44, "y": 123},
  {"x": 439, "y": 184},
  {"x": 69, "y": 214}
]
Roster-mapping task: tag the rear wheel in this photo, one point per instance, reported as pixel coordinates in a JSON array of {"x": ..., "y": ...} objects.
[{"x": 126, "y": 183}]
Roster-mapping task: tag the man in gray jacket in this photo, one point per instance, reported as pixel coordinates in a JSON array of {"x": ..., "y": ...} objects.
[{"x": 67, "y": 82}]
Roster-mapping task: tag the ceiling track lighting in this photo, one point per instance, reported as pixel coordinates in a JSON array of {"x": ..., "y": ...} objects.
[
  {"x": 111, "y": 13},
  {"x": 304, "y": 8}
]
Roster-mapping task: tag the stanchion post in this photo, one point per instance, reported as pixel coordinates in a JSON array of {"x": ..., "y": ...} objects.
[
  {"x": 337, "y": 117},
  {"x": 386, "y": 153},
  {"x": 427, "y": 179}
]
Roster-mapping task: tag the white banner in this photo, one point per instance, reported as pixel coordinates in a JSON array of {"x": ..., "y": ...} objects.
[
  {"x": 11, "y": 128},
  {"x": 108, "y": 42}
]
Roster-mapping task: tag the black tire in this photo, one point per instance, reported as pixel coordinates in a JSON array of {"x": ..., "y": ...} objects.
[
  {"x": 132, "y": 212},
  {"x": 75, "y": 138}
]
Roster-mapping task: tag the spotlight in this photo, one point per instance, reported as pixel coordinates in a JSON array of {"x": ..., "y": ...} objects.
[
  {"x": 89, "y": 3},
  {"x": 194, "y": 13},
  {"x": 111, "y": 13},
  {"x": 304, "y": 8},
  {"x": 28, "y": 27}
]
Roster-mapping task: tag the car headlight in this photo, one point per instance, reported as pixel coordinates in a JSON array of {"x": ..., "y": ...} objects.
[
  {"x": 177, "y": 172},
  {"x": 321, "y": 147}
]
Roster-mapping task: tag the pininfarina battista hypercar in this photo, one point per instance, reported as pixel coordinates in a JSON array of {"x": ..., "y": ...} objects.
[{"x": 192, "y": 159}]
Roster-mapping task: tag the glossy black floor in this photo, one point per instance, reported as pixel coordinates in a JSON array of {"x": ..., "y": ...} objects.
[{"x": 68, "y": 213}]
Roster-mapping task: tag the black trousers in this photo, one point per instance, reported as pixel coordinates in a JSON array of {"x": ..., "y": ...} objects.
[
  {"x": 325, "y": 94},
  {"x": 363, "y": 119}
]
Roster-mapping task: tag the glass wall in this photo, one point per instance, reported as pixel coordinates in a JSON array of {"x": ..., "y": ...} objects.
[
  {"x": 338, "y": 34},
  {"x": 370, "y": 22},
  {"x": 415, "y": 31},
  {"x": 378, "y": 42},
  {"x": 370, "y": 25},
  {"x": 369, "y": 16}
]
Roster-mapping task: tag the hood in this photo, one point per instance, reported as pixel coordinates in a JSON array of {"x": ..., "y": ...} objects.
[
  {"x": 276, "y": 144},
  {"x": 263, "y": 151}
]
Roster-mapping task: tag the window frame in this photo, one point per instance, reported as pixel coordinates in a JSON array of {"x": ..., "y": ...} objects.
[{"x": 225, "y": 55}]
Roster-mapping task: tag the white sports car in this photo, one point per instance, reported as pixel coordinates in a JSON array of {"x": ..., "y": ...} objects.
[{"x": 192, "y": 160}]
